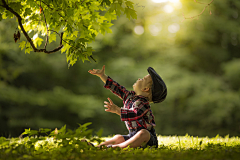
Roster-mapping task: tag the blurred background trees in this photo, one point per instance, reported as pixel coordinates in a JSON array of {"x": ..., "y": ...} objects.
[{"x": 198, "y": 59}]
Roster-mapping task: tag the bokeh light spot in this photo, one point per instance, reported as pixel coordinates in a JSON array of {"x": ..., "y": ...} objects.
[
  {"x": 168, "y": 8},
  {"x": 174, "y": 1},
  {"x": 163, "y": 1},
  {"x": 177, "y": 5},
  {"x": 159, "y": 1},
  {"x": 155, "y": 29},
  {"x": 173, "y": 28},
  {"x": 139, "y": 30}
]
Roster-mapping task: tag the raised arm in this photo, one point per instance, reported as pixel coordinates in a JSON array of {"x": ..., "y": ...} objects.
[{"x": 110, "y": 84}]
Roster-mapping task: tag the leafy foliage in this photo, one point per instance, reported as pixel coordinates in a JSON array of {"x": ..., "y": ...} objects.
[
  {"x": 80, "y": 21},
  {"x": 69, "y": 145}
]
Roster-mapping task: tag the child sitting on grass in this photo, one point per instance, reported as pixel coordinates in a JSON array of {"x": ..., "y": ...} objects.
[{"x": 136, "y": 111}]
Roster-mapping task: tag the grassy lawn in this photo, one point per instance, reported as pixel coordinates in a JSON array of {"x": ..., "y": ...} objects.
[{"x": 65, "y": 145}]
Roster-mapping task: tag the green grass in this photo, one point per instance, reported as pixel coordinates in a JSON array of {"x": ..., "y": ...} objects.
[{"x": 65, "y": 145}]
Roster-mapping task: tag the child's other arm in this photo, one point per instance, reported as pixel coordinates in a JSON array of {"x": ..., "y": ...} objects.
[
  {"x": 100, "y": 73},
  {"x": 111, "y": 107}
]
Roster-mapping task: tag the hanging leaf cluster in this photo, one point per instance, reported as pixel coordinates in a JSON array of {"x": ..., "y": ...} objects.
[
  {"x": 75, "y": 22},
  {"x": 16, "y": 36}
]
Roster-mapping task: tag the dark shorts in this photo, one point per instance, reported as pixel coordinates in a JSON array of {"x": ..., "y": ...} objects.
[{"x": 153, "y": 138}]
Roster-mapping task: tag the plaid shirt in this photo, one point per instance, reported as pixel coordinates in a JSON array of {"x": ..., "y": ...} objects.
[{"x": 136, "y": 112}]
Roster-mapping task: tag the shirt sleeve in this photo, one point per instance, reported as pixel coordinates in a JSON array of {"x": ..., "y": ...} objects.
[
  {"x": 139, "y": 109},
  {"x": 117, "y": 89}
]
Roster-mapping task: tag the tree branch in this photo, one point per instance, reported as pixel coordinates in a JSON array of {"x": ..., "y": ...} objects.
[
  {"x": 207, "y": 5},
  {"x": 58, "y": 48},
  {"x": 47, "y": 29},
  {"x": 26, "y": 35}
]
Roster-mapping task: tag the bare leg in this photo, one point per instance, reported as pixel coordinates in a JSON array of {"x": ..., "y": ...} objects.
[
  {"x": 115, "y": 140},
  {"x": 140, "y": 138}
]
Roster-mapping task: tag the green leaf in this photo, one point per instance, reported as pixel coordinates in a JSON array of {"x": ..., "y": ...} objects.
[
  {"x": 117, "y": 8},
  {"x": 22, "y": 45},
  {"x": 129, "y": 4},
  {"x": 75, "y": 33},
  {"x": 52, "y": 38},
  {"x": 106, "y": 2},
  {"x": 27, "y": 12},
  {"x": 101, "y": 19},
  {"x": 65, "y": 48},
  {"x": 110, "y": 16},
  {"x": 37, "y": 41},
  {"x": 85, "y": 125},
  {"x": 130, "y": 13},
  {"x": 89, "y": 51},
  {"x": 99, "y": 133},
  {"x": 104, "y": 27},
  {"x": 62, "y": 130},
  {"x": 4, "y": 15},
  {"x": 94, "y": 6},
  {"x": 26, "y": 131},
  {"x": 30, "y": 132},
  {"x": 45, "y": 130},
  {"x": 28, "y": 48}
]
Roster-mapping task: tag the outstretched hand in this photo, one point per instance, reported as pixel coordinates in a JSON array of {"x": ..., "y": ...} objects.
[
  {"x": 111, "y": 107},
  {"x": 100, "y": 73}
]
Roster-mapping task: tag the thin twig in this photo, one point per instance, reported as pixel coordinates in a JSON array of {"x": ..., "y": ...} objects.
[
  {"x": 63, "y": 39},
  {"x": 208, "y": 4},
  {"x": 45, "y": 23},
  {"x": 55, "y": 10},
  {"x": 46, "y": 27},
  {"x": 50, "y": 7}
]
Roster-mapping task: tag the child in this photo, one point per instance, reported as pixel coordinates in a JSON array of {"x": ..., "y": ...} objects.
[{"x": 136, "y": 112}]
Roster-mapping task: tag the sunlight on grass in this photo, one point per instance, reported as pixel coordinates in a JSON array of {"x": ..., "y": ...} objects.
[
  {"x": 187, "y": 141},
  {"x": 71, "y": 147}
]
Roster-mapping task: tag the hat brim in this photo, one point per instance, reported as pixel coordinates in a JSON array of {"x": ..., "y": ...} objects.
[{"x": 159, "y": 89}]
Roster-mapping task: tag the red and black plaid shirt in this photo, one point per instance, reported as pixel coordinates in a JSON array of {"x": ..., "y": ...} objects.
[{"x": 136, "y": 110}]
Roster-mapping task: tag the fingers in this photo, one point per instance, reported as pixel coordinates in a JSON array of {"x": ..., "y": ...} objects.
[
  {"x": 106, "y": 102},
  {"x": 108, "y": 105},
  {"x": 108, "y": 108},
  {"x": 94, "y": 70},
  {"x": 97, "y": 71},
  {"x": 110, "y": 101},
  {"x": 103, "y": 68},
  {"x": 91, "y": 71}
]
